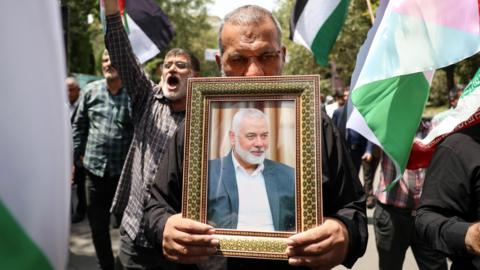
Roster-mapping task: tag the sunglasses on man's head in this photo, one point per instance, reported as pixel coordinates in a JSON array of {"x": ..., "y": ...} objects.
[{"x": 178, "y": 64}]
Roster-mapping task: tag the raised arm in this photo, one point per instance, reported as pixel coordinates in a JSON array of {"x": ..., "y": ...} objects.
[
  {"x": 123, "y": 59},
  {"x": 111, "y": 7}
]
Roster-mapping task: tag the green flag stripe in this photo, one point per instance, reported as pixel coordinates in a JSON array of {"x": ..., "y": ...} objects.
[
  {"x": 327, "y": 34},
  {"x": 393, "y": 109},
  {"x": 473, "y": 85},
  {"x": 17, "y": 250}
]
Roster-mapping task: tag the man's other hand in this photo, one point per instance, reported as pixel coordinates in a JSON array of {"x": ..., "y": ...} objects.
[
  {"x": 367, "y": 157},
  {"x": 472, "y": 239},
  {"x": 322, "y": 247},
  {"x": 187, "y": 241}
]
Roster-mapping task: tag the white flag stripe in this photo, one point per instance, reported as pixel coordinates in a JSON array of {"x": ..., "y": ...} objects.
[
  {"x": 466, "y": 107},
  {"x": 314, "y": 15},
  {"x": 142, "y": 45},
  {"x": 35, "y": 139}
]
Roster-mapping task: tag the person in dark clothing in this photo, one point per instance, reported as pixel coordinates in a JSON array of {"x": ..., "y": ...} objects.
[
  {"x": 78, "y": 175},
  {"x": 448, "y": 215},
  {"x": 250, "y": 45},
  {"x": 104, "y": 106},
  {"x": 358, "y": 145}
]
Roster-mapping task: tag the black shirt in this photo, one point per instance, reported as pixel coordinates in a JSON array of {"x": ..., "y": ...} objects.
[
  {"x": 343, "y": 196},
  {"x": 450, "y": 201}
]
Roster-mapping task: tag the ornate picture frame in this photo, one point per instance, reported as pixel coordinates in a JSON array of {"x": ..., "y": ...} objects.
[{"x": 297, "y": 144}]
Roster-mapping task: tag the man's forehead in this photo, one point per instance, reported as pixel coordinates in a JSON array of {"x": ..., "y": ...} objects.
[
  {"x": 176, "y": 57},
  {"x": 247, "y": 34},
  {"x": 253, "y": 122}
]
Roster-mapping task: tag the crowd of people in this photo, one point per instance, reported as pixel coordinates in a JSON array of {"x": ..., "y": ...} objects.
[{"x": 128, "y": 137}]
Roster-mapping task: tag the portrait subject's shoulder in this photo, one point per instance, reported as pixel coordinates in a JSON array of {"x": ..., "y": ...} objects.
[{"x": 284, "y": 168}]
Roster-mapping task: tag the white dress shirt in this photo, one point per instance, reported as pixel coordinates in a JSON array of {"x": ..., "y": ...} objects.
[
  {"x": 253, "y": 209},
  {"x": 72, "y": 107},
  {"x": 330, "y": 108}
]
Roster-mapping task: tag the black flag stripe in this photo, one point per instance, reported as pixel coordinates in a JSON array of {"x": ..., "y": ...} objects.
[
  {"x": 297, "y": 12},
  {"x": 151, "y": 19}
]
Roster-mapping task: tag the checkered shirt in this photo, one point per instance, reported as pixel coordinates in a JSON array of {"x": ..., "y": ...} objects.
[
  {"x": 406, "y": 193},
  {"x": 102, "y": 129},
  {"x": 155, "y": 124}
]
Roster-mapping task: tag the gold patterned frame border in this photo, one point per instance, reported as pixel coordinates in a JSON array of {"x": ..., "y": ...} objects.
[{"x": 304, "y": 90}]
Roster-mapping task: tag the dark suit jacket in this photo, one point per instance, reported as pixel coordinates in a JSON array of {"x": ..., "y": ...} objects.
[{"x": 223, "y": 194}]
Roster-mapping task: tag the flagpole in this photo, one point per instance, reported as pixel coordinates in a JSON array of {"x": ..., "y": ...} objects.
[{"x": 372, "y": 18}]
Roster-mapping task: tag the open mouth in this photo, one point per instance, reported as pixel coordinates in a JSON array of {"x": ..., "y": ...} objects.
[{"x": 173, "y": 81}]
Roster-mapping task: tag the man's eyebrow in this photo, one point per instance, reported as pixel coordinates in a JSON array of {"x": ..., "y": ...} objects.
[
  {"x": 268, "y": 50},
  {"x": 235, "y": 54},
  {"x": 255, "y": 133}
]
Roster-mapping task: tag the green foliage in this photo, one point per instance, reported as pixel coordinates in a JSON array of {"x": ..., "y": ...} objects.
[
  {"x": 80, "y": 56},
  {"x": 438, "y": 89},
  {"x": 466, "y": 69}
]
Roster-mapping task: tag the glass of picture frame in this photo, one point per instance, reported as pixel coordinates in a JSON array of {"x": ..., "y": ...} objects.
[{"x": 253, "y": 218}]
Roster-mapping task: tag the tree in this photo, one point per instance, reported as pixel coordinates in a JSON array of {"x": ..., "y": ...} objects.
[{"x": 80, "y": 57}]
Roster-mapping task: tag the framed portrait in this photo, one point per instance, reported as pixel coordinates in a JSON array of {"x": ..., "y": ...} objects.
[{"x": 253, "y": 161}]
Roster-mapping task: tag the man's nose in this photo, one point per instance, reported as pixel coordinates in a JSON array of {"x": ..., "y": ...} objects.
[
  {"x": 254, "y": 68},
  {"x": 172, "y": 68},
  {"x": 259, "y": 142}
]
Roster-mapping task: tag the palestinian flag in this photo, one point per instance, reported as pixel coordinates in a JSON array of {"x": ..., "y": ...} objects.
[
  {"x": 466, "y": 114},
  {"x": 148, "y": 28},
  {"x": 391, "y": 81},
  {"x": 316, "y": 24},
  {"x": 35, "y": 141}
]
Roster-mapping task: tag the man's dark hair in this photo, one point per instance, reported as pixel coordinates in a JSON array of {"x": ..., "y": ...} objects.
[
  {"x": 193, "y": 59},
  {"x": 338, "y": 92}
]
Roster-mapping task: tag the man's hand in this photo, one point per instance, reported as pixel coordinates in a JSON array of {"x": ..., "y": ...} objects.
[
  {"x": 472, "y": 239},
  {"x": 367, "y": 157},
  {"x": 187, "y": 241},
  {"x": 111, "y": 7},
  {"x": 73, "y": 179},
  {"x": 322, "y": 247}
]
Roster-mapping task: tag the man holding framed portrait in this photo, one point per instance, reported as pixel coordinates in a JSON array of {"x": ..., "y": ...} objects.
[{"x": 250, "y": 45}]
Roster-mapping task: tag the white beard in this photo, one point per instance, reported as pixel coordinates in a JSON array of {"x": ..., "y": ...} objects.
[{"x": 247, "y": 156}]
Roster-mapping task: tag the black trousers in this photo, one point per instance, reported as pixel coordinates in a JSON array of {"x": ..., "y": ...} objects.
[
  {"x": 369, "y": 169},
  {"x": 100, "y": 192},
  {"x": 81, "y": 208},
  {"x": 394, "y": 233}
]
